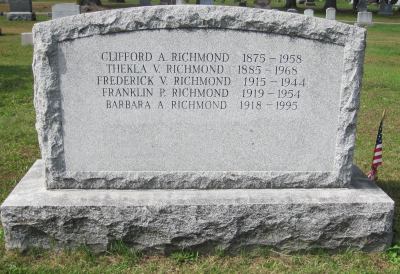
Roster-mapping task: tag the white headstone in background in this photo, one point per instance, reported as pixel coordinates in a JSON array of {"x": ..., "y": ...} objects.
[
  {"x": 180, "y": 2},
  {"x": 364, "y": 19},
  {"x": 27, "y": 39},
  {"x": 309, "y": 12},
  {"x": 206, "y": 2},
  {"x": 63, "y": 10},
  {"x": 331, "y": 13}
]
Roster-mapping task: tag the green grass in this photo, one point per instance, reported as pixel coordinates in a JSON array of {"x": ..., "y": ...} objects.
[{"x": 19, "y": 149}]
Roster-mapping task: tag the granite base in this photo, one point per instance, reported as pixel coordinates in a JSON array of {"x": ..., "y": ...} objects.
[
  {"x": 359, "y": 218},
  {"x": 364, "y": 25},
  {"x": 25, "y": 16}
]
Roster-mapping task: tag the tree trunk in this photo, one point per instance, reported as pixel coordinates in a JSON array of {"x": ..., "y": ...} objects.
[
  {"x": 330, "y": 4},
  {"x": 355, "y": 3},
  {"x": 91, "y": 3},
  {"x": 291, "y": 4}
]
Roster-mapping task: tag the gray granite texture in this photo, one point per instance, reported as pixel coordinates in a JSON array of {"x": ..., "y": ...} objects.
[
  {"x": 24, "y": 16},
  {"x": 311, "y": 147},
  {"x": 359, "y": 217}
]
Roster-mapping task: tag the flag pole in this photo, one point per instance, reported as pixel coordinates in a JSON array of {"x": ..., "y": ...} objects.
[{"x": 383, "y": 115}]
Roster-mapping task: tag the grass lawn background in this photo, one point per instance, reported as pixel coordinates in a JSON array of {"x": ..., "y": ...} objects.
[{"x": 19, "y": 150}]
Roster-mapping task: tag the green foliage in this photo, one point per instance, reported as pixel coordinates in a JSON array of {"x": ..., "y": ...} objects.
[
  {"x": 185, "y": 256},
  {"x": 90, "y": 256},
  {"x": 129, "y": 254},
  {"x": 220, "y": 252},
  {"x": 393, "y": 253},
  {"x": 79, "y": 2}
]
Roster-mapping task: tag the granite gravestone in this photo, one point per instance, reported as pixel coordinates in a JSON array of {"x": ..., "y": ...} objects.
[
  {"x": 362, "y": 6},
  {"x": 183, "y": 101},
  {"x": 63, "y": 10},
  {"x": 364, "y": 19},
  {"x": 331, "y": 13},
  {"x": 385, "y": 9},
  {"x": 27, "y": 39},
  {"x": 309, "y": 12},
  {"x": 21, "y": 10},
  {"x": 205, "y": 138},
  {"x": 145, "y": 3}
]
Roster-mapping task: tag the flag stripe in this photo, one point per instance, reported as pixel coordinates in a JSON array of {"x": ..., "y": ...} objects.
[{"x": 377, "y": 158}]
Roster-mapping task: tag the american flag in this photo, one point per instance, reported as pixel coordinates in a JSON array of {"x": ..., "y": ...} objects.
[{"x": 377, "y": 159}]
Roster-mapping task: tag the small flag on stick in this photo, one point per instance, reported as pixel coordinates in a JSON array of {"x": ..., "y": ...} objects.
[{"x": 377, "y": 159}]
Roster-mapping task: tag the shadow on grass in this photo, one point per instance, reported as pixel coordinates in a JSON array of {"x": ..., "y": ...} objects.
[{"x": 392, "y": 188}]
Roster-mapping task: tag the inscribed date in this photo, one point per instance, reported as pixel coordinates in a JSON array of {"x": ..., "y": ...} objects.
[
  {"x": 250, "y": 105},
  {"x": 283, "y": 93},
  {"x": 285, "y": 82},
  {"x": 254, "y": 81},
  {"x": 286, "y": 105},
  {"x": 254, "y": 58},
  {"x": 253, "y": 93}
]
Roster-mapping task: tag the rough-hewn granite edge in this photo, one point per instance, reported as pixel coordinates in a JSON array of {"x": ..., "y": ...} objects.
[
  {"x": 47, "y": 93},
  {"x": 195, "y": 180},
  {"x": 359, "y": 217}
]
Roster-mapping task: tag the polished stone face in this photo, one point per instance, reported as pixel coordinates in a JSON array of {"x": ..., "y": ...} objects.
[
  {"x": 160, "y": 100},
  {"x": 20, "y": 5},
  {"x": 249, "y": 102}
]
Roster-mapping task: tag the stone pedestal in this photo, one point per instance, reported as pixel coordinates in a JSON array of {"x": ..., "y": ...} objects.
[
  {"x": 25, "y": 16},
  {"x": 359, "y": 217}
]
